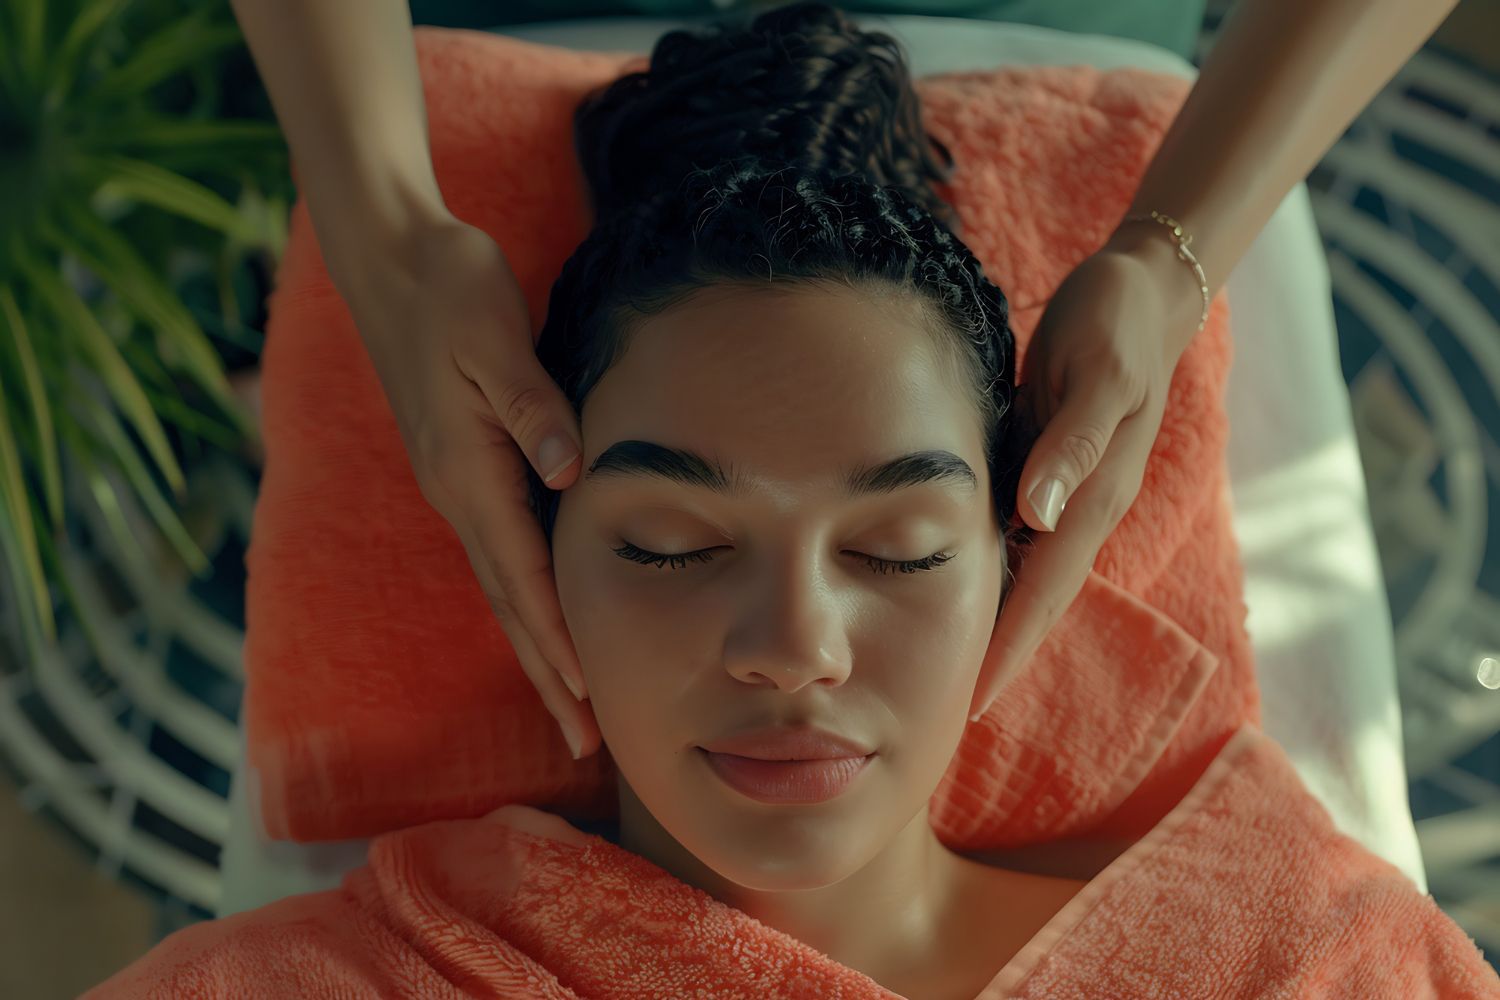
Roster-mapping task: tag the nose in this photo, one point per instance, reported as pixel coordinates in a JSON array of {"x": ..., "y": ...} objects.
[{"x": 791, "y": 631}]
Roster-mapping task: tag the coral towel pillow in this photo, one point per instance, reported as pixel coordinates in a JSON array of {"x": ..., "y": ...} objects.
[{"x": 382, "y": 692}]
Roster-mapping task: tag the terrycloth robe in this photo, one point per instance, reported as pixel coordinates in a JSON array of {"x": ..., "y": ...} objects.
[{"x": 1244, "y": 889}]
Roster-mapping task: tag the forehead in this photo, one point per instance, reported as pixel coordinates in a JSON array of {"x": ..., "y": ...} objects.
[{"x": 789, "y": 385}]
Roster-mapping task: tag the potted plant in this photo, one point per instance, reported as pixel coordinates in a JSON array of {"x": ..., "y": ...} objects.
[
  {"x": 144, "y": 191},
  {"x": 119, "y": 184}
]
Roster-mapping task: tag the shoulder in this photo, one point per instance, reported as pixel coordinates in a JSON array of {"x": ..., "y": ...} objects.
[{"x": 1352, "y": 915}]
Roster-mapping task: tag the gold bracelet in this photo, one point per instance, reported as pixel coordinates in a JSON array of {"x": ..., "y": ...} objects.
[{"x": 1183, "y": 253}]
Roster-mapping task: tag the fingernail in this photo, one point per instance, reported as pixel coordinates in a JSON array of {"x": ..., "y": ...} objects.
[
  {"x": 555, "y": 455},
  {"x": 1047, "y": 498},
  {"x": 572, "y": 685},
  {"x": 575, "y": 743}
]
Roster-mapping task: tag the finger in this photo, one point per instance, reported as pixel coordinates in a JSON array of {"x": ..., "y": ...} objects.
[
  {"x": 488, "y": 501},
  {"x": 1058, "y": 564},
  {"x": 577, "y": 722},
  {"x": 575, "y": 717},
  {"x": 516, "y": 558},
  {"x": 1044, "y": 587},
  {"x": 1070, "y": 447},
  {"x": 493, "y": 499},
  {"x": 536, "y": 414}
]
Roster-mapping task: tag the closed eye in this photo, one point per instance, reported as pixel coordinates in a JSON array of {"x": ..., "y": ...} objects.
[{"x": 679, "y": 560}]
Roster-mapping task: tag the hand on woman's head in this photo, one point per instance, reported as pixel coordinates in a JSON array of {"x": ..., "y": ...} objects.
[
  {"x": 1097, "y": 373},
  {"x": 447, "y": 330}
]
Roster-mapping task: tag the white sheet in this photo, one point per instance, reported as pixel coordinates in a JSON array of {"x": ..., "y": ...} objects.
[{"x": 1318, "y": 618}]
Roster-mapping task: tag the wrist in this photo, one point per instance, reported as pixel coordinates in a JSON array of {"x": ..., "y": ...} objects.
[
  {"x": 369, "y": 226},
  {"x": 1152, "y": 246}
]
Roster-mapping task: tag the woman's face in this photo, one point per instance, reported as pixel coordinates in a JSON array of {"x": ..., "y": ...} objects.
[{"x": 788, "y": 391}]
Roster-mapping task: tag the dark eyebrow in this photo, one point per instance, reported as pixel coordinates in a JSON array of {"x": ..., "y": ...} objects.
[{"x": 647, "y": 458}]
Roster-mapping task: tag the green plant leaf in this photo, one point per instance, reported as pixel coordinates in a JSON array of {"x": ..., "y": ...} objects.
[
  {"x": 171, "y": 50},
  {"x": 31, "y": 22},
  {"x": 119, "y": 266},
  {"x": 114, "y": 447},
  {"x": 123, "y": 176},
  {"x": 195, "y": 421},
  {"x": 268, "y": 215},
  {"x": 77, "y": 45},
  {"x": 169, "y": 403},
  {"x": 58, "y": 573},
  {"x": 13, "y": 89},
  {"x": 240, "y": 154},
  {"x": 129, "y": 548},
  {"x": 21, "y": 546},
  {"x": 154, "y": 133},
  {"x": 206, "y": 89},
  {"x": 78, "y": 322},
  {"x": 33, "y": 629},
  {"x": 41, "y": 412},
  {"x": 107, "y": 499}
]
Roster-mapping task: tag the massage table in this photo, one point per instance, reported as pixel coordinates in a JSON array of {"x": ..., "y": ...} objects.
[{"x": 1318, "y": 618}]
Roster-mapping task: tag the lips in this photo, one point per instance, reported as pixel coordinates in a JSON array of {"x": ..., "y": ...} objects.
[
  {"x": 787, "y": 781},
  {"x": 789, "y": 743}
]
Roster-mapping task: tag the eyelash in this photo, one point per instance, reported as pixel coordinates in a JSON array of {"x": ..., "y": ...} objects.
[{"x": 636, "y": 554}]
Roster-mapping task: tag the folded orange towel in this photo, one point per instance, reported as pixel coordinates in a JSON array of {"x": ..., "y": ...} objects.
[
  {"x": 1245, "y": 889},
  {"x": 381, "y": 691}
]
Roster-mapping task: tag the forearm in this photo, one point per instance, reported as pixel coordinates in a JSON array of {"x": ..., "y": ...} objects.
[
  {"x": 342, "y": 77},
  {"x": 1281, "y": 84}
]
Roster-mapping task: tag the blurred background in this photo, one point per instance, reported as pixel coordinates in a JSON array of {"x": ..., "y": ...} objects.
[{"x": 144, "y": 193}]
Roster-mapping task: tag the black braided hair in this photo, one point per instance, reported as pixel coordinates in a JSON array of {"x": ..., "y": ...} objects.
[{"x": 786, "y": 151}]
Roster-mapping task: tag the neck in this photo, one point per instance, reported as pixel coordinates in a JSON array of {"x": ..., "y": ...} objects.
[{"x": 892, "y": 918}]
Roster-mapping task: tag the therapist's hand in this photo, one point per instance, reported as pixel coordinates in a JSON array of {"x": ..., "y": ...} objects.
[
  {"x": 447, "y": 329},
  {"x": 1097, "y": 371}
]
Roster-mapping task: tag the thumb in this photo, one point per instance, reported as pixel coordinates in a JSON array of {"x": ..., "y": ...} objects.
[
  {"x": 1068, "y": 450},
  {"x": 539, "y": 417}
]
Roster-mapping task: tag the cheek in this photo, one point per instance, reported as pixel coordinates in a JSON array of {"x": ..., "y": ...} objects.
[
  {"x": 621, "y": 612},
  {"x": 930, "y": 649},
  {"x": 623, "y": 633},
  {"x": 596, "y": 604},
  {"x": 609, "y": 627}
]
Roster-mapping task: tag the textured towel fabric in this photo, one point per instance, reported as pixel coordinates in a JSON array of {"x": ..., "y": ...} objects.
[
  {"x": 381, "y": 691},
  {"x": 1245, "y": 889},
  {"x": 1127, "y": 754}
]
